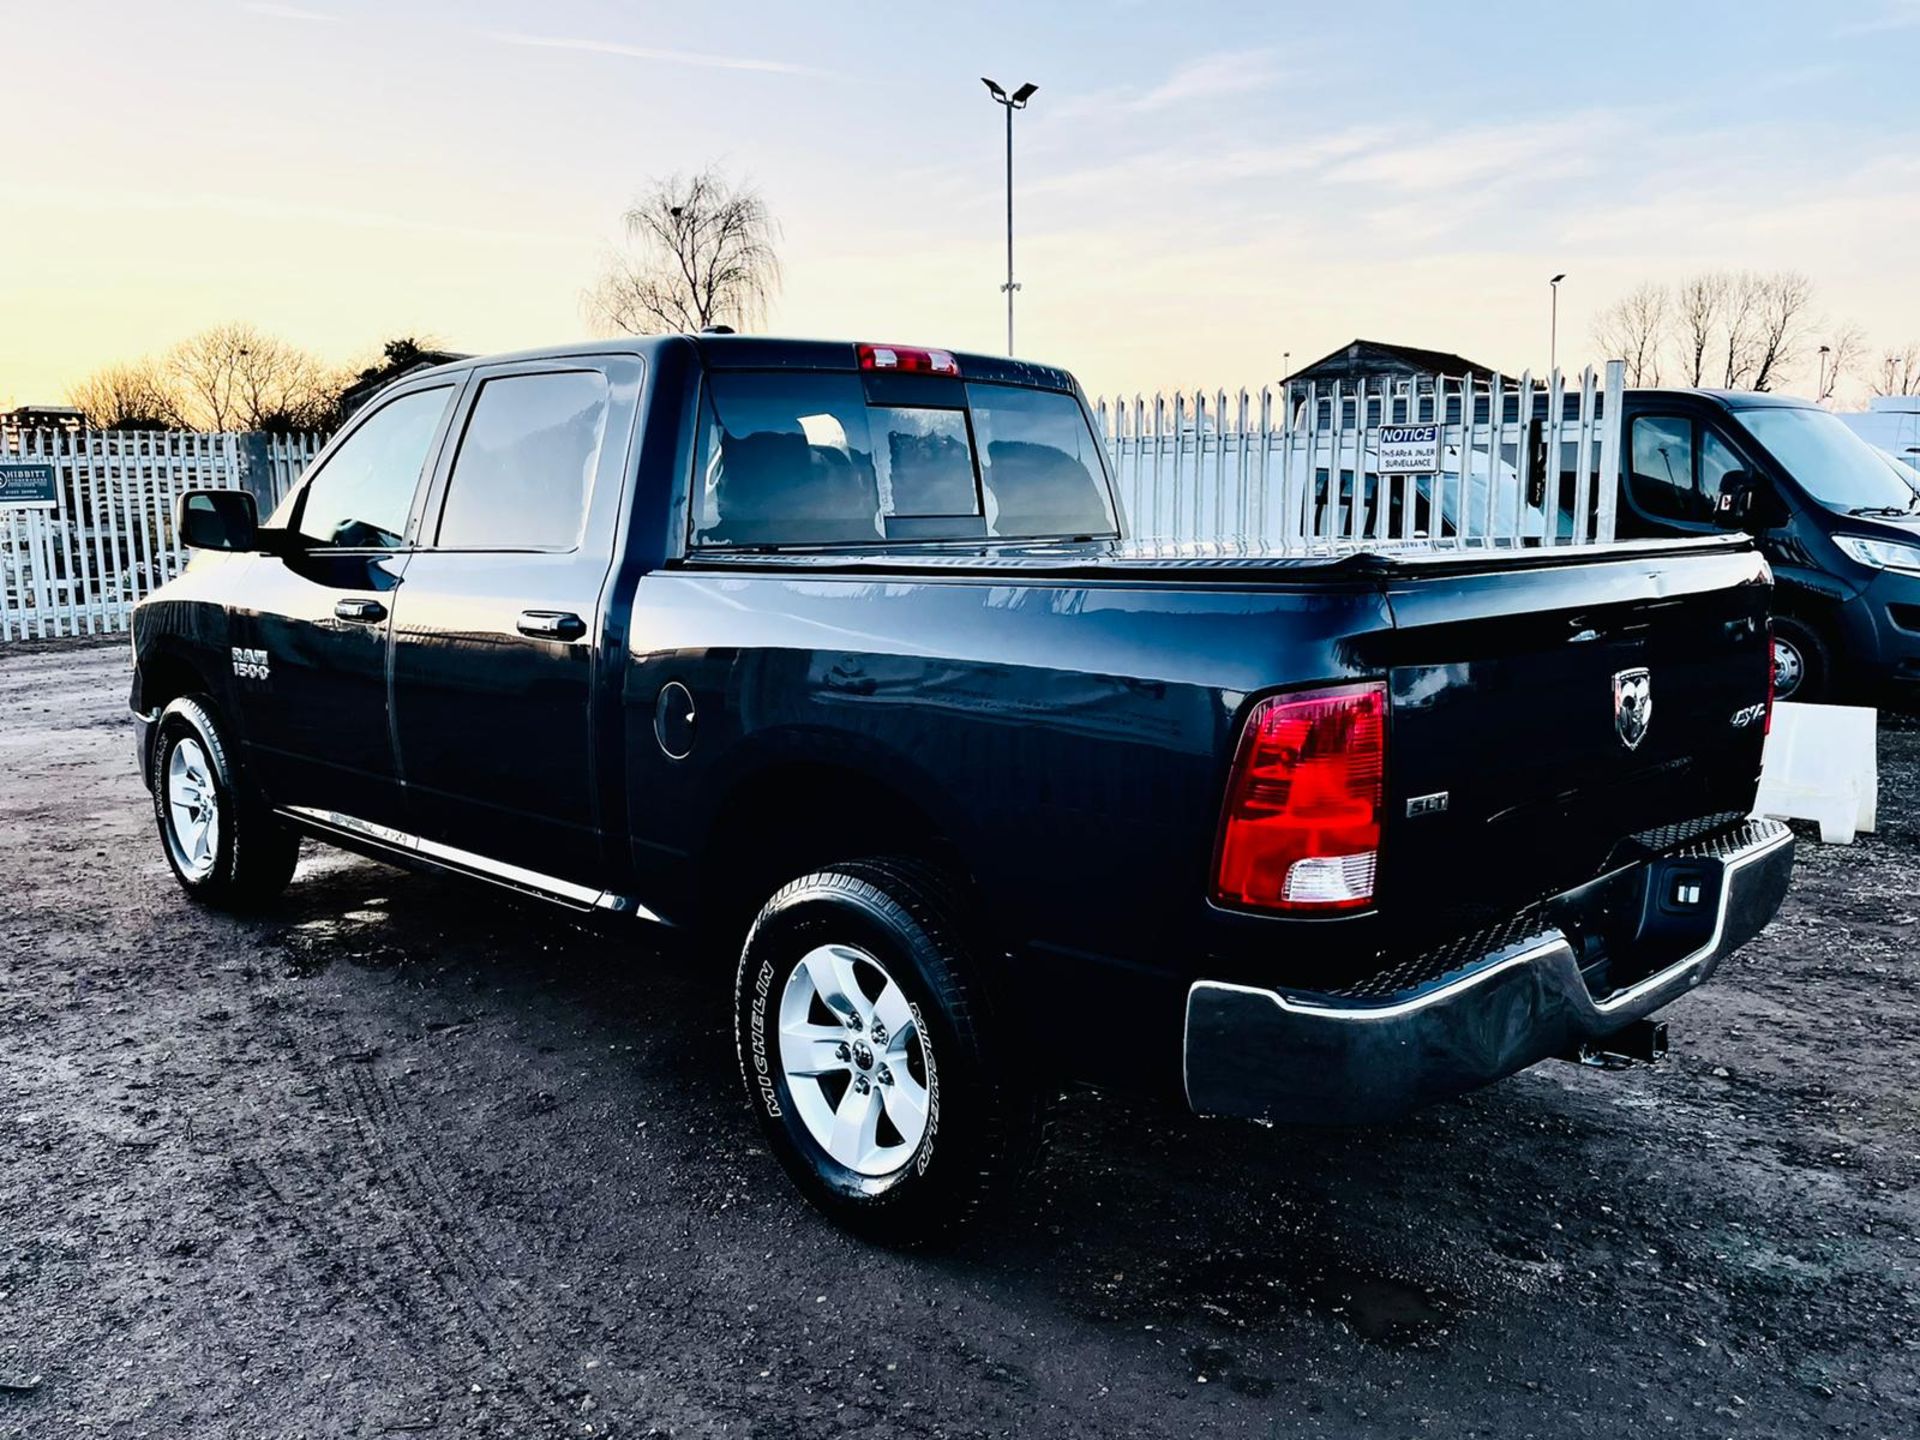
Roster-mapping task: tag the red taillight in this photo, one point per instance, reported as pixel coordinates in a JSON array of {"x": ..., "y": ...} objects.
[
  {"x": 1301, "y": 831},
  {"x": 908, "y": 358}
]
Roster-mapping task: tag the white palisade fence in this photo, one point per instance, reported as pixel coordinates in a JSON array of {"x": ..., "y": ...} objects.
[
  {"x": 79, "y": 566},
  {"x": 1517, "y": 463}
]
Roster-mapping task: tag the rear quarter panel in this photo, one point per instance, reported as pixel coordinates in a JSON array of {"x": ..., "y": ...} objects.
[{"x": 1070, "y": 741}]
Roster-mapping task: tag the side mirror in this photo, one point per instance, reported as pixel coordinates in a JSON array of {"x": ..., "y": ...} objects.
[
  {"x": 1748, "y": 502},
  {"x": 1734, "y": 505},
  {"x": 218, "y": 520}
]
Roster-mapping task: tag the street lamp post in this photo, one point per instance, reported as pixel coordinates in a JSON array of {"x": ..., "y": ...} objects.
[
  {"x": 1553, "y": 324},
  {"x": 1016, "y": 101},
  {"x": 1820, "y": 374}
]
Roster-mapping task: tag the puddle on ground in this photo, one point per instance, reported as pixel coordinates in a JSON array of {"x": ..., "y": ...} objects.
[
  {"x": 1378, "y": 1308},
  {"x": 1253, "y": 1292},
  {"x": 355, "y": 936}
]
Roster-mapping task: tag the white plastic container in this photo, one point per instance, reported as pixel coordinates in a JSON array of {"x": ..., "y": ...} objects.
[{"x": 1822, "y": 764}]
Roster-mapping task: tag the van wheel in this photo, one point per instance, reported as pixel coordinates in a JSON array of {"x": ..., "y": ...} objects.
[
  {"x": 883, "y": 1087},
  {"x": 221, "y": 842},
  {"x": 1801, "y": 669}
]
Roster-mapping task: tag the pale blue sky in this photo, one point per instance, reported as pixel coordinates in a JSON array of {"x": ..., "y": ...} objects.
[{"x": 1200, "y": 187}]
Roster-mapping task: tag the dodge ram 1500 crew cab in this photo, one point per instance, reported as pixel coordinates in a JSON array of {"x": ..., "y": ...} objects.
[{"x": 836, "y": 658}]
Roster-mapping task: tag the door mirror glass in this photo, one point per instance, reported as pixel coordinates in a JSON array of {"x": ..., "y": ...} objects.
[{"x": 217, "y": 520}]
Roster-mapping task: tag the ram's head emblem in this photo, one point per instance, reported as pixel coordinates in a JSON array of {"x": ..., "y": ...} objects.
[{"x": 1632, "y": 705}]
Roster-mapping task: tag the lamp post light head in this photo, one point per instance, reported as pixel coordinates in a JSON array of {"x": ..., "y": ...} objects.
[
  {"x": 1558, "y": 278},
  {"x": 1017, "y": 100}
]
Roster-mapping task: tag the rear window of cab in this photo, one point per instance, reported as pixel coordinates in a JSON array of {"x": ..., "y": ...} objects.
[{"x": 819, "y": 458}]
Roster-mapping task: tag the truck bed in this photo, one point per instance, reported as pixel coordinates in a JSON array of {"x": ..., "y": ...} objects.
[{"x": 1024, "y": 700}]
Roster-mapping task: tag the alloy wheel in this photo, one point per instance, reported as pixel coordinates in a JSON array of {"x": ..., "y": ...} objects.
[
  {"x": 855, "y": 1060},
  {"x": 193, "y": 810}
]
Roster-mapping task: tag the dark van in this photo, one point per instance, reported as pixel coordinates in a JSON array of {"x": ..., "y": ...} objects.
[{"x": 1836, "y": 519}]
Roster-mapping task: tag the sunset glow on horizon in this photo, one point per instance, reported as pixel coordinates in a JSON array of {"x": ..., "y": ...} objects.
[{"x": 1200, "y": 190}]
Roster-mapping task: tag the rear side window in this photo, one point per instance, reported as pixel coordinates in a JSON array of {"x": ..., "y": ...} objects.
[
  {"x": 1039, "y": 461},
  {"x": 810, "y": 459},
  {"x": 525, "y": 466}
]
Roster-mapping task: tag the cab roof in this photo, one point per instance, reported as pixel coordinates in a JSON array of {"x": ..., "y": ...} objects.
[
  {"x": 1732, "y": 399},
  {"x": 769, "y": 352}
]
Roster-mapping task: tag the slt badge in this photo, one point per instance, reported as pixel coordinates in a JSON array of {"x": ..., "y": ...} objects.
[{"x": 1632, "y": 705}]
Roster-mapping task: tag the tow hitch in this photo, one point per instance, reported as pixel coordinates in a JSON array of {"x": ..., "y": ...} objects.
[{"x": 1643, "y": 1040}]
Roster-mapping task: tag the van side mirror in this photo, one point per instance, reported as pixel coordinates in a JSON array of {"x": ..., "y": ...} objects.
[
  {"x": 1748, "y": 502},
  {"x": 1735, "y": 502},
  {"x": 218, "y": 520}
]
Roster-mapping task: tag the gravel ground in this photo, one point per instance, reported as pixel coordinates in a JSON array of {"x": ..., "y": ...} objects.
[{"x": 403, "y": 1158}]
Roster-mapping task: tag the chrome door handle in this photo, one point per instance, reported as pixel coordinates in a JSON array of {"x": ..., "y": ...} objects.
[
  {"x": 366, "y": 611},
  {"x": 551, "y": 625}
]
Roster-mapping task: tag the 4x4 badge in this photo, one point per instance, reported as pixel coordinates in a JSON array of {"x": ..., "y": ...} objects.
[{"x": 1632, "y": 705}]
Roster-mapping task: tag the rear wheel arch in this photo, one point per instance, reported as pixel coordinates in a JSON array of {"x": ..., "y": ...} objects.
[{"x": 782, "y": 819}]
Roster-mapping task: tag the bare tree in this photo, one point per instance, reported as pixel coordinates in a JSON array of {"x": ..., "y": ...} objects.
[
  {"x": 1899, "y": 372},
  {"x": 1782, "y": 311},
  {"x": 1739, "y": 329},
  {"x": 1734, "y": 328},
  {"x": 1633, "y": 329},
  {"x": 1702, "y": 299},
  {"x": 1754, "y": 325},
  {"x": 135, "y": 396},
  {"x": 701, "y": 252},
  {"x": 233, "y": 377}
]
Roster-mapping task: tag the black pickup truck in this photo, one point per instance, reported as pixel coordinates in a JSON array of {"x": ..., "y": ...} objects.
[{"x": 834, "y": 658}]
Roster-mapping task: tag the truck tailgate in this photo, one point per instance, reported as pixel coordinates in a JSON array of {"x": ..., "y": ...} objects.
[{"x": 1521, "y": 762}]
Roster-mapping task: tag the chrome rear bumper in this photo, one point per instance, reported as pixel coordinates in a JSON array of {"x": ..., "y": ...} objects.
[{"x": 1450, "y": 1022}]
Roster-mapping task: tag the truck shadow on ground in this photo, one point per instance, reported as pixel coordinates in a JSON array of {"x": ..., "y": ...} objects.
[{"x": 1221, "y": 1236}]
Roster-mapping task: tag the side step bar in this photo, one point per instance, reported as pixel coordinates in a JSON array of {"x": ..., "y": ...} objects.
[{"x": 385, "y": 841}]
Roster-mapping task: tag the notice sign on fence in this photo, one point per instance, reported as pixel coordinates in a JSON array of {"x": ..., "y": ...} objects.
[
  {"x": 26, "y": 485},
  {"x": 1409, "y": 450}
]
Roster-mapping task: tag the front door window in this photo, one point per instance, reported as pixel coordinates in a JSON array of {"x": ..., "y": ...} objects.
[
  {"x": 360, "y": 497},
  {"x": 1663, "y": 468}
]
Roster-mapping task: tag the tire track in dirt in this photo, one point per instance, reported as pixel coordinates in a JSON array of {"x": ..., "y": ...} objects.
[
  {"x": 489, "y": 1303},
  {"x": 434, "y": 1279},
  {"x": 426, "y": 1312}
]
